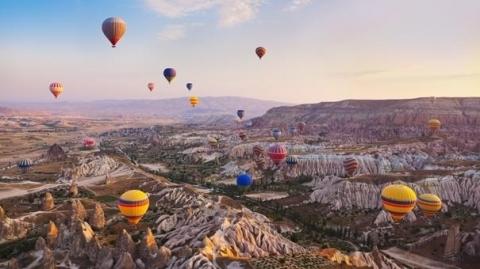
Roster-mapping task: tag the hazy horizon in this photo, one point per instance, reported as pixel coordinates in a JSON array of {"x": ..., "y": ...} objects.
[{"x": 317, "y": 50}]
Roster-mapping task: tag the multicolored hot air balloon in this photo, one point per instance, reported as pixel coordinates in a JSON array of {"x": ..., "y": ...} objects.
[
  {"x": 189, "y": 86},
  {"x": 133, "y": 204},
  {"x": 434, "y": 125},
  {"x": 242, "y": 135},
  {"x": 277, "y": 153},
  {"x": 89, "y": 143},
  {"x": 240, "y": 113},
  {"x": 301, "y": 126},
  {"x": 350, "y": 165},
  {"x": 194, "y": 101},
  {"x": 244, "y": 180},
  {"x": 276, "y": 133},
  {"x": 151, "y": 86},
  {"x": 258, "y": 151},
  {"x": 56, "y": 88},
  {"x": 398, "y": 200},
  {"x": 114, "y": 28},
  {"x": 291, "y": 160},
  {"x": 260, "y": 51},
  {"x": 169, "y": 74},
  {"x": 24, "y": 165},
  {"x": 429, "y": 203}
]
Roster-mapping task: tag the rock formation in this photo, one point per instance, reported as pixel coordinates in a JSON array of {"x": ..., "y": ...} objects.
[
  {"x": 52, "y": 234},
  {"x": 3, "y": 215},
  {"x": 12, "y": 229},
  {"x": 97, "y": 218},
  {"x": 77, "y": 210},
  {"x": 56, "y": 153},
  {"x": 48, "y": 202},
  {"x": 73, "y": 189},
  {"x": 453, "y": 244}
]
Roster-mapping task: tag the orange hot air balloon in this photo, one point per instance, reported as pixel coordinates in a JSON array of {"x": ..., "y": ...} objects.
[
  {"x": 114, "y": 28},
  {"x": 434, "y": 124},
  {"x": 151, "y": 86},
  {"x": 56, "y": 88},
  {"x": 194, "y": 101},
  {"x": 260, "y": 51}
]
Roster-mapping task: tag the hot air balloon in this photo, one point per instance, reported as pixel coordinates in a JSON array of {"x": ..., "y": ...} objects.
[
  {"x": 260, "y": 51},
  {"x": 114, "y": 28},
  {"x": 56, "y": 88},
  {"x": 189, "y": 86},
  {"x": 260, "y": 162},
  {"x": 133, "y": 204},
  {"x": 258, "y": 151},
  {"x": 213, "y": 142},
  {"x": 434, "y": 125},
  {"x": 244, "y": 180},
  {"x": 248, "y": 124},
  {"x": 242, "y": 135},
  {"x": 350, "y": 165},
  {"x": 277, "y": 153},
  {"x": 291, "y": 160},
  {"x": 292, "y": 130},
  {"x": 429, "y": 203},
  {"x": 276, "y": 133},
  {"x": 151, "y": 86},
  {"x": 301, "y": 126},
  {"x": 398, "y": 200},
  {"x": 89, "y": 143},
  {"x": 194, "y": 101},
  {"x": 24, "y": 165},
  {"x": 240, "y": 113},
  {"x": 169, "y": 74}
]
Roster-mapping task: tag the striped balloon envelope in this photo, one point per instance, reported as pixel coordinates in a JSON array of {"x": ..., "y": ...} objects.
[
  {"x": 291, "y": 160},
  {"x": 114, "y": 28},
  {"x": 277, "y": 153},
  {"x": 434, "y": 124},
  {"x": 24, "y": 165},
  {"x": 56, "y": 88},
  {"x": 398, "y": 200},
  {"x": 430, "y": 204},
  {"x": 258, "y": 151},
  {"x": 260, "y": 51},
  {"x": 89, "y": 143},
  {"x": 350, "y": 165},
  {"x": 194, "y": 101},
  {"x": 133, "y": 204},
  {"x": 151, "y": 86}
]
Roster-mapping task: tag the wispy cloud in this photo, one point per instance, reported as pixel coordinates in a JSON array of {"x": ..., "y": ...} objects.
[
  {"x": 296, "y": 4},
  {"x": 231, "y": 12},
  {"x": 359, "y": 73},
  {"x": 173, "y": 32}
]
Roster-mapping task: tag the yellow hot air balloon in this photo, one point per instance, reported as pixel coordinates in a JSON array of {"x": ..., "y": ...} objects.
[
  {"x": 398, "y": 200},
  {"x": 194, "y": 101},
  {"x": 133, "y": 204},
  {"x": 430, "y": 204},
  {"x": 434, "y": 124}
]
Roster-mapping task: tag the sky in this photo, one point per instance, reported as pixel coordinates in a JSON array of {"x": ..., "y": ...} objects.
[{"x": 317, "y": 50}]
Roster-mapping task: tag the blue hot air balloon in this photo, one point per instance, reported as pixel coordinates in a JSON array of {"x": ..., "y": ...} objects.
[
  {"x": 169, "y": 74},
  {"x": 276, "y": 133},
  {"x": 240, "y": 113},
  {"x": 292, "y": 130},
  {"x": 24, "y": 165},
  {"x": 244, "y": 180},
  {"x": 189, "y": 86}
]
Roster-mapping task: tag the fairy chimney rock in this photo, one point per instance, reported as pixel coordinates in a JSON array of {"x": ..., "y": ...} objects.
[
  {"x": 48, "y": 203},
  {"x": 97, "y": 217}
]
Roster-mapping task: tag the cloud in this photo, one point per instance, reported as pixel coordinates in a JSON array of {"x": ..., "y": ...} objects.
[
  {"x": 296, "y": 4},
  {"x": 231, "y": 12},
  {"x": 173, "y": 32},
  {"x": 359, "y": 73}
]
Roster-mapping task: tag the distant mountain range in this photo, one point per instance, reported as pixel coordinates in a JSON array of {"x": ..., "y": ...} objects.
[
  {"x": 451, "y": 111},
  {"x": 209, "y": 110}
]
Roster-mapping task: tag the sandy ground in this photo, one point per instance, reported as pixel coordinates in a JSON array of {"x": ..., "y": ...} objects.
[{"x": 160, "y": 167}]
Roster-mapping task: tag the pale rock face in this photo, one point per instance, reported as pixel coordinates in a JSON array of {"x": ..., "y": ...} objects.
[
  {"x": 95, "y": 166},
  {"x": 2, "y": 214},
  {"x": 463, "y": 188},
  {"x": 48, "y": 202},
  {"x": 215, "y": 229},
  {"x": 124, "y": 244},
  {"x": 13, "y": 229},
  {"x": 77, "y": 210},
  {"x": 125, "y": 261},
  {"x": 97, "y": 217}
]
